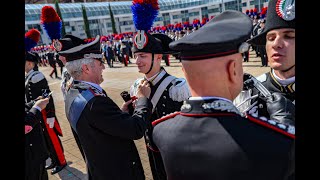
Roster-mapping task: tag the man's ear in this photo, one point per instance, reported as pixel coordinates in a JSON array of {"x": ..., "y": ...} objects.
[
  {"x": 231, "y": 69},
  {"x": 160, "y": 57},
  {"x": 85, "y": 68}
]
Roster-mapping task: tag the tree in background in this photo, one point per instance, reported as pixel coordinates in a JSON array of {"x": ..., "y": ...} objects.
[
  {"x": 114, "y": 30},
  {"x": 63, "y": 30},
  {"x": 86, "y": 22}
]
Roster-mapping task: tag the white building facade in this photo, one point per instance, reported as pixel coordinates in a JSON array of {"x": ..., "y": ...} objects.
[{"x": 171, "y": 12}]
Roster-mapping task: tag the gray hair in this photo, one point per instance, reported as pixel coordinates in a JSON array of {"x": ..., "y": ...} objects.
[{"x": 74, "y": 68}]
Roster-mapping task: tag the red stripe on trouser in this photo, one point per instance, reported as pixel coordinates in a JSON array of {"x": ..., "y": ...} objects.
[
  {"x": 57, "y": 127},
  {"x": 127, "y": 59},
  {"x": 55, "y": 141}
]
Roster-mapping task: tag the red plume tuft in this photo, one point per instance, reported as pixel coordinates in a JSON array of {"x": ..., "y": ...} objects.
[
  {"x": 153, "y": 3},
  {"x": 33, "y": 34},
  {"x": 49, "y": 14}
]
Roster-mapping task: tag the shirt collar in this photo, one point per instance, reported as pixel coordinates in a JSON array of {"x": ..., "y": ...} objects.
[
  {"x": 208, "y": 98},
  {"x": 94, "y": 85},
  {"x": 284, "y": 82},
  {"x": 151, "y": 78},
  {"x": 29, "y": 72},
  {"x": 156, "y": 78}
]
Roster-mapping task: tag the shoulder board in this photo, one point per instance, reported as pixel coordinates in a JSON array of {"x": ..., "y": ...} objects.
[
  {"x": 166, "y": 117},
  {"x": 37, "y": 77},
  {"x": 284, "y": 129},
  {"x": 179, "y": 82},
  {"x": 262, "y": 77},
  {"x": 179, "y": 91},
  {"x": 96, "y": 92}
]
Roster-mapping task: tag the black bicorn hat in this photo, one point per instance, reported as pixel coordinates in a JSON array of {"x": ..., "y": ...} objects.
[
  {"x": 280, "y": 14},
  {"x": 144, "y": 13},
  {"x": 156, "y": 43},
  {"x": 67, "y": 42},
  {"x": 83, "y": 51},
  {"x": 223, "y": 35},
  {"x": 165, "y": 41},
  {"x": 29, "y": 56}
]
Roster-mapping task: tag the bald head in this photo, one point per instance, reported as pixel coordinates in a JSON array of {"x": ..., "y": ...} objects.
[{"x": 221, "y": 76}]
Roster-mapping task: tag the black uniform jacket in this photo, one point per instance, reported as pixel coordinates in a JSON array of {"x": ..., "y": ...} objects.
[
  {"x": 106, "y": 135},
  {"x": 209, "y": 140},
  {"x": 170, "y": 100},
  {"x": 36, "y": 85},
  {"x": 166, "y": 104},
  {"x": 35, "y": 147},
  {"x": 270, "y": 82}
]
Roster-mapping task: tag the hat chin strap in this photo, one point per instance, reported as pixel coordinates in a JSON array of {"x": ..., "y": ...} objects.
[
  {"x": 151, "y": 63},
  {"x": 289, "y": 68}
]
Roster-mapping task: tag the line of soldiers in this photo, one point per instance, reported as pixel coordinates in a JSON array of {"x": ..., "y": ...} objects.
[{"x": 118, "y": 48}]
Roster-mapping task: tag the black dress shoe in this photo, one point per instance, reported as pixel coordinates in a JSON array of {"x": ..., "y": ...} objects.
[
  {"x": 57, "y": 169},
  {"x": 52, "y": 165}
]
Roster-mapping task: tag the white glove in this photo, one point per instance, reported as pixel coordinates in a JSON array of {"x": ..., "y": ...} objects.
[{"x": 50, "y": 121}]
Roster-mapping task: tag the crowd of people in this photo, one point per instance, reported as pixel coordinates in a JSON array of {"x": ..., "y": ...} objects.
[{"x": 193, "y": 127}]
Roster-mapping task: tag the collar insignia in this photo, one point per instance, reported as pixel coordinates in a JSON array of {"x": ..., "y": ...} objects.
[
  {"x": 221, "y": 105},
  {"x": 286, "y": 9}
]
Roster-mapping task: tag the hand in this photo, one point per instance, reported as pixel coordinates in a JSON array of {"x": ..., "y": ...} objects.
[
  {"x": 50, "y": 121},
  {"x": 134, "y": 102},
  {"x": 39, "y": 97},
  {"x": 125, "y": 106},
  {"x": 144, "y": 89},
  {"x": 281, "y": 109},
  {"x": 41, "y": 103}
]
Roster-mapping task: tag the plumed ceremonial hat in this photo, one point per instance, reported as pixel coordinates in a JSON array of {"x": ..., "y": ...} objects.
[
  {"x": 145, "y": 42},
  {"x": 67, "y": 42},
  {"x": 31, "y": 39},
  {"x": 164, "y": 42},
  {"x": 144, "y": 13},
  {"x": 31, "y": 57},
  {"x": 51, "y": 22},
  {"x": 280, "y": 14},
  {"x": 223, "y": 35},
  {"x": 83, "y": 51}
]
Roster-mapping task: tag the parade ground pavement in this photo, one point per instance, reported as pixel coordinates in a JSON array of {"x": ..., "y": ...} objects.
[{"x": 116, "y": 80}]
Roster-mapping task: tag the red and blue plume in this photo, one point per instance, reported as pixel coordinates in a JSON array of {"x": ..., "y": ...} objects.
[
  {"x": 255, "y": 11},
  {"x": 144, "y": 13},
  {"x": 31, "y": 39},
  {"x": 251, "y": 12},
  {"x": 263, "y": 12},
  {"x": 51, "y": 22}
]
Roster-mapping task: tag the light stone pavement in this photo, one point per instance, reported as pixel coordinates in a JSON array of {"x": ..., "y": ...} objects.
[{"x": 116, "y": 80}]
